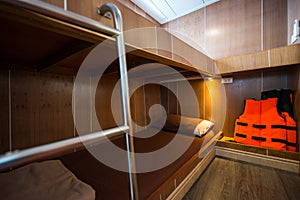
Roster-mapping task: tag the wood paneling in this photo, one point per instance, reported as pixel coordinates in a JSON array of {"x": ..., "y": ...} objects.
[
  {"x": 182, "y": 52},
  {"x": 233, "y": 27},
  {"x": 293, "y": 7},
  {"x": 59, "y": 3},
  {"x": 137, "y": 102},
  {"x": 287, "y": 55},
  {"x": 281, "y": 56},
  {"x": 242, "y": 62},
  {"x": 164, "y": 43},
  {"x": 192, "y": 99},
  {"x": 108, "y": 102},
  {"x": 274, "y": 23},
  {"x": 41, "y": 108},
  {"x": 245, "y": 86},
  {"x": 88, "y": 8},
  {"x": 152, "y": 97},
  {"x": 4, "y": 111}
]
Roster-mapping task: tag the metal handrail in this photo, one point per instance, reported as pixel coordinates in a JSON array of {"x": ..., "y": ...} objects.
[
  {"x": 118, "y": 22},
  {"x": 16, "y": 158}
]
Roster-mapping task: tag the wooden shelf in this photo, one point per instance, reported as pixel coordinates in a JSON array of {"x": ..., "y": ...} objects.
[
  {"x": 282, "y": 56},
  {"x": 49, "y": 44},
  {"x": 228, "y": 143}
]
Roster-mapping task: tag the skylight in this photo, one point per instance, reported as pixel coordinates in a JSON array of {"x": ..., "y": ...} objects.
[{"x": 167, "y": 10}]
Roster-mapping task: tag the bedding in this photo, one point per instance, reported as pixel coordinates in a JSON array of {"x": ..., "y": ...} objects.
[
  {"x": 113, "y": 184},
  {"x": 44, "y": 180},
  {"x": 187, "y": 125}
]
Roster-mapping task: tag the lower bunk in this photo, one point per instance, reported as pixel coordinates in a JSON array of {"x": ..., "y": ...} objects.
[{"x": 170, "y": 182}]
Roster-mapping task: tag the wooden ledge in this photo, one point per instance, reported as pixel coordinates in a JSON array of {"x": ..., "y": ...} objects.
[{"x": 282, "y": 56}]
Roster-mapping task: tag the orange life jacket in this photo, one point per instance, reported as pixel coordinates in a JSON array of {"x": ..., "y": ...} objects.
[
  {"x": 291, "y": 132},
  {"x": 261, "y": 125}
]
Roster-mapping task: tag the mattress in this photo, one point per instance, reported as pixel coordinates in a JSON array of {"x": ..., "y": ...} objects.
[{"x": 110, "y": 183}]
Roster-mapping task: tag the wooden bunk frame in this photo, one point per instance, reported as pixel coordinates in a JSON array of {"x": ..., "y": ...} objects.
[{"x": 86, "y": 33}]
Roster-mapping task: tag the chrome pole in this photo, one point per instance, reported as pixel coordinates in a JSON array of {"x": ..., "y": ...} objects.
[
  {"x": 16, "y": 158},
  {"x": 118, "y": 21}
]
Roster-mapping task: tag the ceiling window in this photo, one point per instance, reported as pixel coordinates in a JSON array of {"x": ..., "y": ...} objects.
[{"x": 167, "y": 10}]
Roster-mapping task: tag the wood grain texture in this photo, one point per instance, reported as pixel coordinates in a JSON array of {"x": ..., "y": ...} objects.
[
  {"x": 287, "y": 55},
  {"x": 244, "y": 86},
  {"x": 274, "y": 23},
  {"x": 182, "y": 52},
  {"x": 233, "y": 28},
  {"x": 282, "y": 56},
  {"x": 130, "y": 18},
  {"x": 189, "y": 99},
  {"x": 242, "y": 62},
  {"x": 41, "y": 108},
  {"x": 152, "y": 97},
  {"x": 4, "y": 111},
  {"x": 137, "y": 100},
  {"x": 108, "y": 102},
  {"x": 164, "y": 43},
  {"x": 59, "y": 3},
  {"x": 236, "y": 180},
  {"x": 293, "y": 7}
]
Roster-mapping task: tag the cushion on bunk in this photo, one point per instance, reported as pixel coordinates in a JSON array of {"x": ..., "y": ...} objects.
[
  {"x": 44, "y": 180},
  {"x": 187, "y": 125},
  {"x": 203, "y": 128}
]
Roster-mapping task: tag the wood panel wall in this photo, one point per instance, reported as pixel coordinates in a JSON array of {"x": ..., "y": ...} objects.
[
  {"x": 234, "y": 27},
  {"x": 181, "y": 101},
  {"x": 4, "y": 111},
  {"x": 36, "y": 107},
  {"x": 293, "y": 13}
]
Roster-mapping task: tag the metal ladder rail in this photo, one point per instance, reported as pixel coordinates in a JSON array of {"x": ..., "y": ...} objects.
[
  {"x": 16, "y": 158},
  {"x": 118, "y": 22}
]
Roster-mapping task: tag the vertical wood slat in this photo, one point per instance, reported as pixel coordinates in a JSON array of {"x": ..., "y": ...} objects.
[
  {"x": 152, "y": 97},
  {"x": 59, "y": 3},
  {"x": 233, "y": 28},
  {"x": 105, "y": 102},
  {"x": 4, "y": 111},
  {"x": 274, "y": 23},
  {"x": 41, "y": 108}
]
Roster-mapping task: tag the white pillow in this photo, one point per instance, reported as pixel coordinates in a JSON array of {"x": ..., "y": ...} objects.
[{"x": 203, "y": 127}]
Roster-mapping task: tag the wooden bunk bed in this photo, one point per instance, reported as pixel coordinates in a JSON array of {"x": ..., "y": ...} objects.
[{"x": 47, "y": 29}]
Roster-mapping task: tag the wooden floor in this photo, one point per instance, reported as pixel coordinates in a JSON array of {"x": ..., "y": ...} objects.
[{"x": 228, "y": 179}]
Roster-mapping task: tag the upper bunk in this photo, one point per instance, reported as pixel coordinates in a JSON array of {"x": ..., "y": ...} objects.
[{"x": 43, "y": 37}]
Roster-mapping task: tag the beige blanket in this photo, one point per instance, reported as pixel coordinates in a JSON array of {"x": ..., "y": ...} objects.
[{"x": 44, "y": 180}]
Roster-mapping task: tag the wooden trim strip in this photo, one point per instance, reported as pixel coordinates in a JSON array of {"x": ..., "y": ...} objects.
[{"x": 259, "y": 159}]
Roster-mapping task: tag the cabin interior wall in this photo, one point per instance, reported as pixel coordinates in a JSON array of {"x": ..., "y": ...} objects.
[
  {"x": 233, "y": 27},
  {"x": 190, "y": 99}
]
